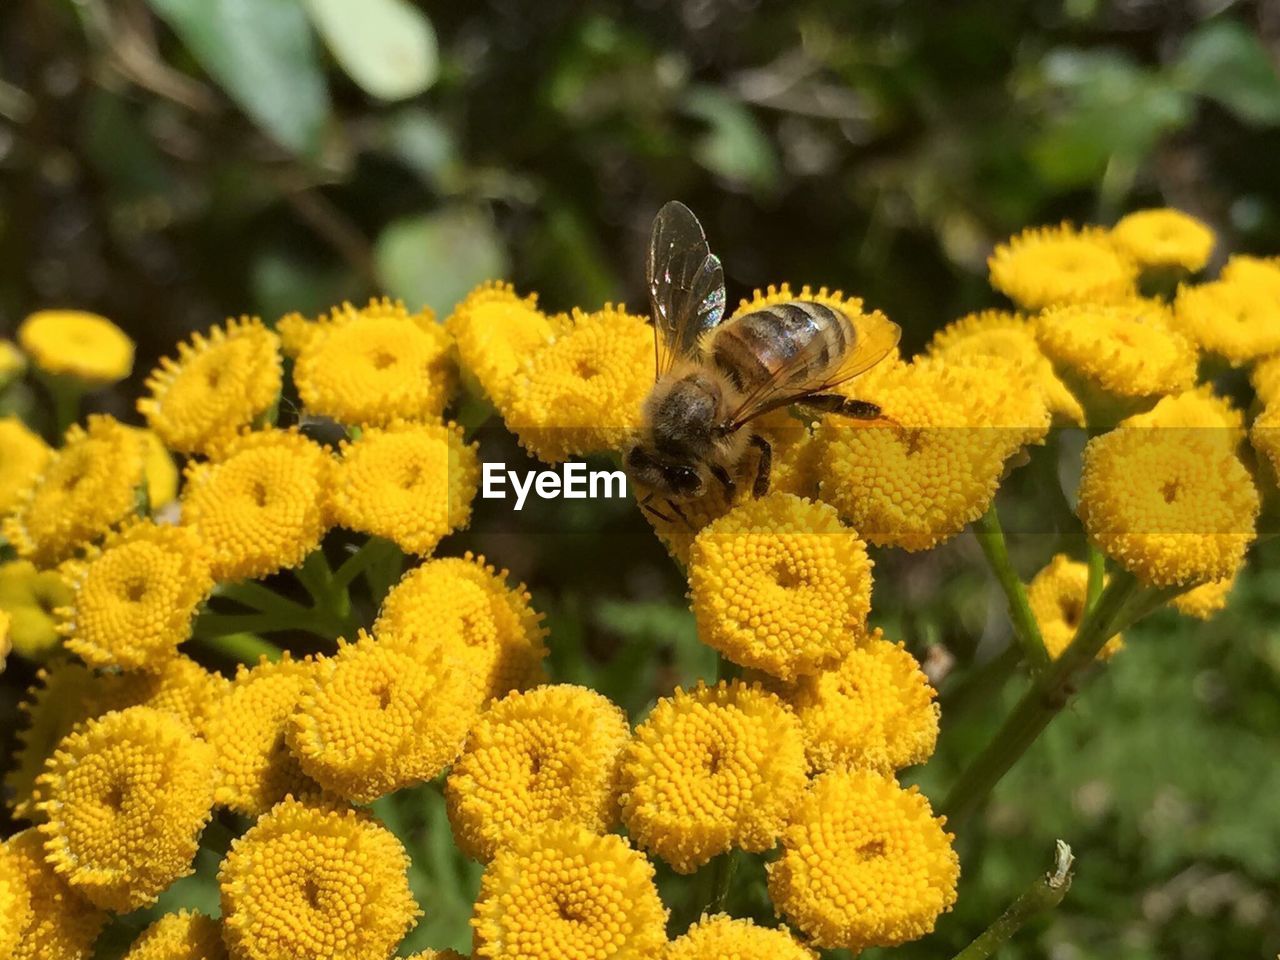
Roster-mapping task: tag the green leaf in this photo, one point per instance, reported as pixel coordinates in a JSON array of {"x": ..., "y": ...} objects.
[
  {"x": 1225, "y": 61},
  {"x": 734, "y": 146},
  {"x": 262, "y": 53},
  {"x": 439, "y": 258},
  {"x": 388, "y": 47}
]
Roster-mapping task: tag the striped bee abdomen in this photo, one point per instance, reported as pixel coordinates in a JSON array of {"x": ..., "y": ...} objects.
[{"x": 802, "y": 338}]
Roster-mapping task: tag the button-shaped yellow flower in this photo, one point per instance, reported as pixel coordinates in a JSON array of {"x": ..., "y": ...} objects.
[
  {"x": 261, "y": 507},
  {"x": 1260, "y": 273},
  {"x": 436, "y": 955},
  {"x": 1164, "y": 238},
  {"x": 546, "y": 756},
  {"x": 375, "y": 364},
  {"x": 1199, "y": 410},
  {"x": 311, "y": 879},
  {"x": 567, "y": 892},
  {"x": 463, "y": 608},
  {"x": 1237, "y": 321},
  {"x": 1043, "y": 266},
  {"x": 247, "y": 731},
  {"x": 778, "y": 584},
  {"x": 15, "y": 903},
  {"x": 160, "y": 470},
  {"x": 864, "y": 863},
  {"x": 126, "y": 797},
  {"x": 410, "y": 483},
  {"x": 1265, "y": 378},
  {"x": 875, "y": 710},
  {"x": 1204, "y": 601},
  {"x": 133, "y": 601},
  {"x": 582, "y": 393},
  {"x": 23, "y": 456},
  {"x": 184, "y": 935},
  {"x": 720, "y": 936},
  {"x": 73, "y": 343},
  {"x": 1173, "y": 507},
  {"x": 712, "y": 769},
  {"x": 1057, "y": 598},
  {"x": 30, "y": 597},
  {"x": 375, "y": 718},
  {"x": 60, "y": 922},
  {"x": 496, "y": 331},
  {"x": 89, "y": 486},
  {"x": 219, "y": 384}
]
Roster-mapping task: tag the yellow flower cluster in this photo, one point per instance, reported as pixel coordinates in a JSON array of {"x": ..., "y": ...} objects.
[
  {"x": 82, "y": 346},
  {"x": 23, "y": 456},
  {"x": 1057, "y": 598},
  {"x": 722, "y": 936},
  {"x": 1164, "y": 239},
  {"x": 496, "y": 331},
  {"x": 1046, "y": 266},
  {"x": 184, "y": 935},
  {"x": 50, "y": 918}
]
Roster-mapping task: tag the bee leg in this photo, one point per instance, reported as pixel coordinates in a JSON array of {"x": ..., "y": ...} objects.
[
  {"x": 845, "y": 407},
  {"x": 761, "y": 486},
  {"x": 675, "y": 508},
  {"x": 721, "y": 474}
]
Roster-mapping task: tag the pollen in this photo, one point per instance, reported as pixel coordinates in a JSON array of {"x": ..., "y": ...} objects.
[
  {"x": 89, "y": 485},
  {"x": 721, "y": 936},
  {"x": 58, "y": 921},
  {"x": 410, "y": 483},
  {"x": 312, "y": 879},
  {"x": 126, "y": 797},
  {"x": 261, "y": 507},
  {"x": 23, "y": 456},
  {"x": 79, "y": 345},
  {"x": 547, "y": 756},
  {"x": 496, "y": 331},
  {"x": 1057, "y": 598},
  {"x": 712, "y": 769},
  {"x": 220, "y": 384},
  {"x": 1164, "y": 238},
  {"x": 375, "y": 364},
  {"x": 184, "y": 935},
  {"x": 373, "y": 719},
  {"x": 864, "y": 863},
  {"x": 780, "y": 585},
  {"x": 565, "y": 893},
  {"x": 1046, "y": 266},
  {"x": 461, "y": 607},
  {"x": 134, "y": 600}
]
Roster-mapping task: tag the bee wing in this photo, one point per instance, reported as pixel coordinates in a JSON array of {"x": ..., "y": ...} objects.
[
  {"x": 877, "y": 335},
  {"x": 686, "y": 285}
]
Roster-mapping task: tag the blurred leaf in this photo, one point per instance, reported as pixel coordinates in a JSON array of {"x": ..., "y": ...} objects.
[
  {"x": 1227, "y": 62},
  {"x": 121, "y": 150},
  {"x": 283, "y": 283},
  {"x": 388, "y": 47},
  {"x": 734, "y": 147},
  {"x": 423, "y": 143},
  {"x": 438, "y": 258},
  {"x": 262, "y": 53}
]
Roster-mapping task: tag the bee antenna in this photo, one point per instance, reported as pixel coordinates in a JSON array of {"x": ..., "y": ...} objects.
[{"x": 657, "y": 513}]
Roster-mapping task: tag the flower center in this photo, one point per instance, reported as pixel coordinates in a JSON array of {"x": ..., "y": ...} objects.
[
  {"x": 1170, "y": 490},
  {"x": 585, "y": 369},
  {"x": 135, "y": 589},
  {"x": 382, "y": 359}
]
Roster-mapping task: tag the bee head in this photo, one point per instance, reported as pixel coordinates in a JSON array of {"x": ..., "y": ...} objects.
[{"x": 675, "y": 479}]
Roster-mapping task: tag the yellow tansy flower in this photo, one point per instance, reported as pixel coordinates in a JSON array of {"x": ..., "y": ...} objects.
[
  {"x": 61, "y": 923},
  {"x": 712, "y": 769},
  {"x": 721, "y": 936},
  {"x": 261, "y": 507},
  {"x": 1057, "y": 597},
  {"x": 1010, "y": 337},
  {"x": 1265, "y": 378},
  {"x": 126, "y": 797},
  {"x": 134, "y": 600},
  {"x": 1172, "y": 507},
  {"x": 375, "y": 364},
  {"x": 875, "y": 710},
  {"x": 247, "y": 731},
  {"x": 1237, "y": 321},
  {"x": 161, "y": 472},
  {"x": 12, "y": 363},
  {"x": 566, "y": 892},
  {"x": 410, "y": 483},
  {"x": 1264, "y": 435},
  {"x": 496, "y": 331},
  {"x": 178, "y": 686},
  {"x": 864, "y": 863},
  {"x": 30, "y": 597},
  {"x": 1204, "y": 601},
  {"x": 5, "y": 644},
  {"x": 1128, "y": 350},
  {"x": 15, "y": 903},
  {"x": 314, "y": 880},
  {"x": 88, "y": 486},
  {"x": 76, "y": 344},
  {"x": 436, "y": 955},
  {"x": 546, "y": 756},
  {"x": 374, "y": 718},
  {"x": 1201, "y": 410},
  {"x": 582, "y": 393},
  {"x": 463, "y": 608},
  {"x": 23, "y": 456},
  {"x": 1164, "y": 238},
  {"x": 184, "y": 935},
  {"x": 1043, "y": 266},
  {"x": 778, "y": 584},
  {"x": 1258, "y": 273},
  {"x": 295, "y": 332},
  {"x": 219, "y": 384}
]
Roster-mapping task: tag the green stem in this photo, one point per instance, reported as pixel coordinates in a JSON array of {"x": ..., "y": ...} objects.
[
  {"x": 372, "y": 551},
  {"x": 981, "y": 685},
  {"x": 991, "y": 537},
  {"x": 1097, "y": 577},
  {"x": 1043, "y": 895},
  {"x": 66, "y": 393},
  {"x": 332, "y": 603},
  {"x": 260, "y": 598},
  {"x": 1048, "y": 694},
  {"x": 242, "y": 647}
]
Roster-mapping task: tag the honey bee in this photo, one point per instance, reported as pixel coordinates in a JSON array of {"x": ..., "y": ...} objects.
[{"x": 712, "y": 379}]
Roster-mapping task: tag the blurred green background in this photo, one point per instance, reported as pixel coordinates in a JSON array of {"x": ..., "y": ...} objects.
[{"x": 171, "y": 162}]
